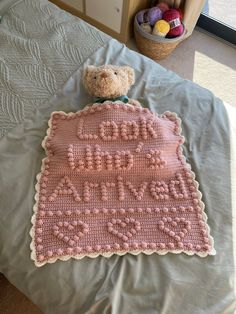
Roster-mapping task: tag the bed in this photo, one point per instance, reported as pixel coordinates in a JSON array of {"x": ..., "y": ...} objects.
[{"x": 43, "y": 52}]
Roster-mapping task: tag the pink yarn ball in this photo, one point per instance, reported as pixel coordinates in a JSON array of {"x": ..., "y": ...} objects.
[
  {"x": 163, "y": 6},
  {"x": 172, "y": 16},
  {"x": 181, "y": 14}
]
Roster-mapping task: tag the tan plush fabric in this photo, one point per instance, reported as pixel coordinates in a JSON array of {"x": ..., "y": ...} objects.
[{"x": 108, "y": 80}]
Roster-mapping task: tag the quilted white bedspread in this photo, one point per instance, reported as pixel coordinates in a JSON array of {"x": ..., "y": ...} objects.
[{"x": 30, "y": 73}]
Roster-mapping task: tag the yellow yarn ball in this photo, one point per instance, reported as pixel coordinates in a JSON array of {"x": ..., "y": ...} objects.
[{"x": 161, "y": 28}]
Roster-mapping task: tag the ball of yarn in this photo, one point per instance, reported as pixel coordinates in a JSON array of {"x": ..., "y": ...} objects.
[
  {"x": 146, "y": 27},
  {"x": 180, "y": 14},
  {"x": 163, "y": 6},
  {"x": 154, "y": 14},
  {"x": 172, "y": 16},
  {"x": 161, "y": 28},
  {"x": 150, "y": 16},
  {"x": 142, "y": 16}
]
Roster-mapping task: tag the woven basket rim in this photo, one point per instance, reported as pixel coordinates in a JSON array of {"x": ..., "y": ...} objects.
[{"x": 156, "y": 38}]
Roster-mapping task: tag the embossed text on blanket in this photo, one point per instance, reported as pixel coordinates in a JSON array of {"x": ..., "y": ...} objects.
[{"x": 115, "y": 181}]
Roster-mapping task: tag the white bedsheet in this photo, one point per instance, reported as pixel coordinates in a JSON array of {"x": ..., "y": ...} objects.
[{"x": 30, "y": 73}]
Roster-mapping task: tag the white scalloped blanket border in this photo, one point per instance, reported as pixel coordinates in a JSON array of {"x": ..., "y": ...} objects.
[{"x": 169, "y": 115}]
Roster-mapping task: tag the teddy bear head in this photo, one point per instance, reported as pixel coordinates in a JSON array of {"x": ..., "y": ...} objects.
[{"x": 108, "y": 81}]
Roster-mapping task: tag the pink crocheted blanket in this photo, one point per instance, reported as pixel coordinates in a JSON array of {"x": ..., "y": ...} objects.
[{"x": 115, "y": 181}]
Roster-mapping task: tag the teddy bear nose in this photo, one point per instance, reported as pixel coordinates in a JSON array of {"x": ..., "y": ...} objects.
[{"x": 104, "y": 75}]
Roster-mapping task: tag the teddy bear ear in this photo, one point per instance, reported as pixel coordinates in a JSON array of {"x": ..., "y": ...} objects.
[
  {"x": 86, "y": 72},
  {"x": 131, "y": 75}
]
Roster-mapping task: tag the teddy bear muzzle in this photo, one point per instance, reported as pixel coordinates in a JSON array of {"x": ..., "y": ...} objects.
[{"x": 104, "y": 75}]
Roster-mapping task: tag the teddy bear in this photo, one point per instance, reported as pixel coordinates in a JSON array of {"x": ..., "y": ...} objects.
[{"x": 109, "y": 82}]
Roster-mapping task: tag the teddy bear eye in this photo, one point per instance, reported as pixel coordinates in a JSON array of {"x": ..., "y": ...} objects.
[
  {"x": 95, "y": 77},
  {"x": 115, "y": 73}
]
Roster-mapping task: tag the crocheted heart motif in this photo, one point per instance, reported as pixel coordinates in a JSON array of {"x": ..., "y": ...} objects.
[
  {"x": 180, "y": 225},
  {"x": 128, "y": 223},
  {"x": 80, "y": 227},
  {"x": 115, "y": 181}
]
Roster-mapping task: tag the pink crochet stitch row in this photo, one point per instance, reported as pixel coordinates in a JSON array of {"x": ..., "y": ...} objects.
[{"x": 115, "y": 181}]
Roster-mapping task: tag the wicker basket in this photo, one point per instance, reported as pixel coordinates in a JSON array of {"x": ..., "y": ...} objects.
[{"x": 154, "y": 46}]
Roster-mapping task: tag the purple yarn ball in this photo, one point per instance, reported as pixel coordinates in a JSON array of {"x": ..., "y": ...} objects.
[
  {"x": 142, "y": 16},
  {"x": 154, "y": 14}
]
